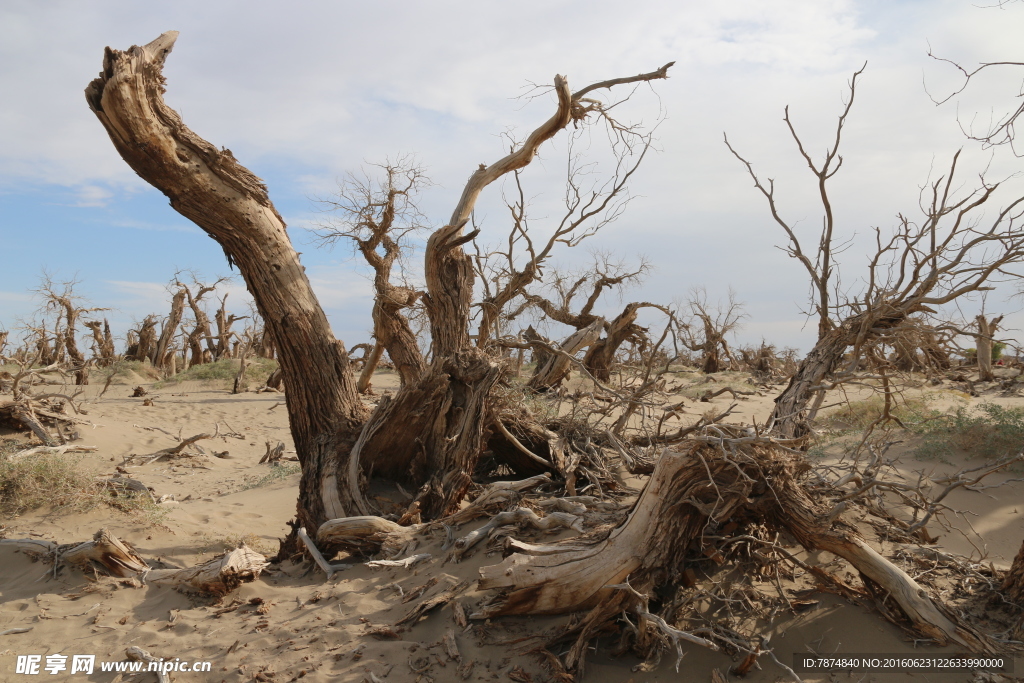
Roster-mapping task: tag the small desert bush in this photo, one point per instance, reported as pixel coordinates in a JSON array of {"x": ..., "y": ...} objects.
[
  {"x": 859, "y": 415},
  {"x": 57, "y": 481},
  {"x": 45, "y": 479},
  {"x": 987, "y": 431},
  {"x": 275, "y": 474},
  {"x": 223, "y": 372}
]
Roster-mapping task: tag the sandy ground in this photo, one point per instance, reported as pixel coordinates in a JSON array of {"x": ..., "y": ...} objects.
[{"x": 293, "y": 624}]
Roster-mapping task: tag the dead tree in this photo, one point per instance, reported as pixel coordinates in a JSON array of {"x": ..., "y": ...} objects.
[
  {"x": 224, "y": 321},
  {"x": 952, "y": 252},
  {"x": 599, "y": 357},
  {"x": 714, "y": 323},
  {"x": 163, "y": 356},
  {"x": 432, "y": 431},
  {"x": 505, "y": 274},
  {"x": 724, "y": 485},
  {"x": 61, "y": 300},
  {"x": 102, "y": 342},
  {"x": 603, "y": 276},
  {"x": 983, "y": 343},
  {"x": 201, "y": 331},
  {"x": 380, "y": 217},
  {"x": 142, "y": 341}
]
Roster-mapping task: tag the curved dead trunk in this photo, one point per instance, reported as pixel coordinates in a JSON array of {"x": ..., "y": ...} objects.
[
  {"x": 392, "y": 332},
  {"x": 599, "y": 358},
  {"x": 556, "y": 366},
  {"x": 208, "y": 186},
  {"x": 691, "y": 488},
  {"x": 160, "y": 356}
]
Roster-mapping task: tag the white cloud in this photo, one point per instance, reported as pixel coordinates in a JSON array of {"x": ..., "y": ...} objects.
[
  {"x": 307, "y": 92},
  {"x": 92, "y": 196}
]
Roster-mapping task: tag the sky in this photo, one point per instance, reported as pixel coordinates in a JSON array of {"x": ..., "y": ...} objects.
[{"x": 305, "y": 92}]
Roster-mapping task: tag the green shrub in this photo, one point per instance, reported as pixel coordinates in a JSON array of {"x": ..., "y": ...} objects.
[
  {"x": 223, "y": 372},
  {"x": 989, "y": 431},
  {"x": 57, "y": 481},
  {"x": 859, "y": 415}
]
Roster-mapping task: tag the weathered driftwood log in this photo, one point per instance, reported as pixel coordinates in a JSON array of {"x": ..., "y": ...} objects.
[
  {"x": 116, "y": 558},
  {"x": 52, "y": 450},
  {"x": 219, "y": 576},
  {"x": 137, "y": 654},
  {"x": 365, "y": 535},
  {"x": 693, "y": 486},
  {"x": 105, "y": 552}
]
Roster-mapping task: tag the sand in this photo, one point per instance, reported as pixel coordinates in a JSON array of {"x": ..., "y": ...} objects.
[{"x": 293, "y": 624}]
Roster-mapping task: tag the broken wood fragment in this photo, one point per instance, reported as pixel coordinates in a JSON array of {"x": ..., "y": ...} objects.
[{"x": 218, "y": 576}]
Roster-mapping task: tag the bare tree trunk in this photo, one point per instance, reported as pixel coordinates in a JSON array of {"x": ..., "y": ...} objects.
[
  {"x": 600, "y": 355},
  {"x": 790, "y": 417},
  {"x": 986, "y": 331},
  {"x": 147, "y": 339},
  {"x": 369, "y": 367},
  {"x": 555, "y": 366},
  {"x": 392, "y": 332},
  {"x": 207, "y": 186},
  {"x": 160, "y": 355},
  {"x": 103, "y": 341}
]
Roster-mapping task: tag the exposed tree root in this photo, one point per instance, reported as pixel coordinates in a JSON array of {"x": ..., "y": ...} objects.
[
  {"x": 518, "y": 516},
  {"x": 695, "y": 490}
]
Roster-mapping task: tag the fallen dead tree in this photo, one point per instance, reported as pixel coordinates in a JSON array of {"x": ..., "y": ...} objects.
[
  {"x": 110, "y": 555},
  {"x": 44, "y": 416},
  {"x": 723, "y": 478}
]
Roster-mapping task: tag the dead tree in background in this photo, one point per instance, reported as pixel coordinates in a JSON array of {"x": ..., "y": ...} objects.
[
  {"x": 164, "y": 355},
  {"x": 987, "y": 329},
  {"x": 714, "y": 324},
  {"x": 380, "y": 217},
  {"x": 201, "y": 331},
  {"x": 604, "y": 275},
  {"x": 503, "y": 273},
  {"x": 60, "y": 299},
  {"x": 142, "y": 341},
  {"x": 434, "y": 426},
  {"x": 920, "y": 266},
  {"x": 224, "y": 321},
  {"x": 102, "y": 342}
]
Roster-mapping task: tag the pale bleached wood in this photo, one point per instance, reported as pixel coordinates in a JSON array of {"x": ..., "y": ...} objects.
[{"x": 218, "y": 576}]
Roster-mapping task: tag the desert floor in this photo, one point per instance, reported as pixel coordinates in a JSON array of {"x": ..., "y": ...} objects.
[{"x": 294, "y": 624}]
